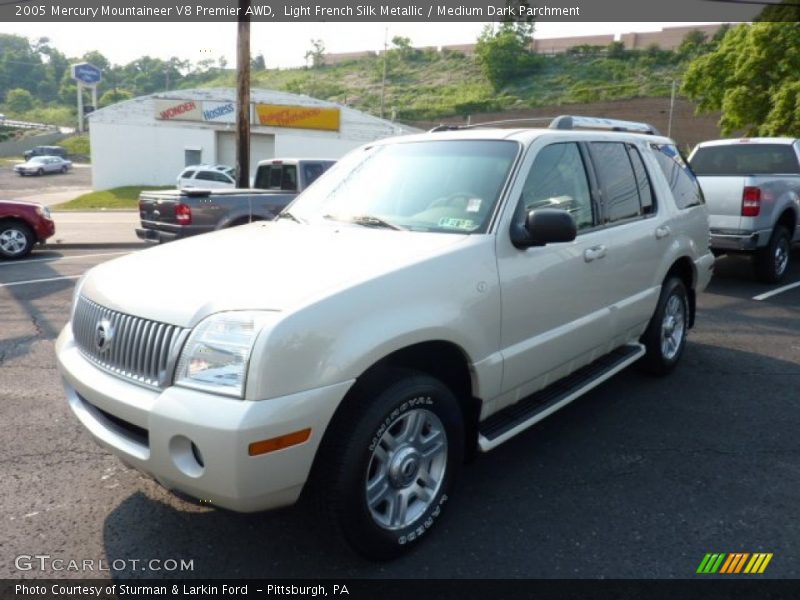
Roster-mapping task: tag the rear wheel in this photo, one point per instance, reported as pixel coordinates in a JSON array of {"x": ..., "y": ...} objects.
[
  {"x": 665, "y": 336},
  {"x": 772, "y": 261},
  {"x": 16, "y": 240},
  {"x": 388, "y": 465}
]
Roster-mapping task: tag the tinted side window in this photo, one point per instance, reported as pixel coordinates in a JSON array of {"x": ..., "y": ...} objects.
[
  {"x": 187, "y": 174},
  {"x": 680, "y": 177},
  {"x": 557, "y": 179},
  {"x": 620, "y": 189},
  {"x": 311, "y": 171},
  {"x": 205, "y": 175},
  {"x": 642, "y": 182}
]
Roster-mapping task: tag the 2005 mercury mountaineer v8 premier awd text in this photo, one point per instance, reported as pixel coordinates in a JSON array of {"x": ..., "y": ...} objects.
[{"x": 431, "y": 295}]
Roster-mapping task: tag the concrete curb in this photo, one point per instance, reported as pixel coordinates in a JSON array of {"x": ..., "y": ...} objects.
[{"x": 95, "y": 245}]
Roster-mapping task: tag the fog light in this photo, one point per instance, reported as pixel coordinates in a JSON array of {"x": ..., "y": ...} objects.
[{"x": 186, "y": 456}]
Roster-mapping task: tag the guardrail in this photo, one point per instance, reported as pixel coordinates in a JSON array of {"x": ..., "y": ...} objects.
[{"x": 25, "y": 125}]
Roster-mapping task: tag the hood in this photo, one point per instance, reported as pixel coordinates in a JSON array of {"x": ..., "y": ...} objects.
[
  {"x": 275, "y": 265},
  {"x": 20, "y": 203}
]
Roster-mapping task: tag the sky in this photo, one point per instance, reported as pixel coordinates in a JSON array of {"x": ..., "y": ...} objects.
[{"x": 282, "y": 44}]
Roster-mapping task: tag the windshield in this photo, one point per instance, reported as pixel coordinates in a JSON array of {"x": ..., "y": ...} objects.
[
  {"x": 745, "y": 159},
  {"x": 37, "y": 160},
  {"x": 444, "y": 186}
]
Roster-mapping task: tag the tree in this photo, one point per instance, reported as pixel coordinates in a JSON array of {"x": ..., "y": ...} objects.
[
  {"x": 257, "y": 63},
  {"x": 505, "y": 54},
  {"x": 752, "y": 78},
  {"x": 315, "y": 57},
  {"x": 19, "y": 100},
  {"x": 114, "y": 96}
]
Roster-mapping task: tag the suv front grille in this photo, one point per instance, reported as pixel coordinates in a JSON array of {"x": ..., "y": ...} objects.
[{"x": 137, "y": 349}]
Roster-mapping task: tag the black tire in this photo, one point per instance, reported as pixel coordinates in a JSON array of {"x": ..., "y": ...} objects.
[
  {"x": 64, "y": 170},
  {"x": 40, "y": 172},
  {"x": 772, "y": 261},
  {"x": 665, "y": 338},
  {"x": 356, "y": 451},
  {"x": 16, "y": 240}
]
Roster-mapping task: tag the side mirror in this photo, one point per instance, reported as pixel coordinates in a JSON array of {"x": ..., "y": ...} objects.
[{"x": 545, "y": 226}]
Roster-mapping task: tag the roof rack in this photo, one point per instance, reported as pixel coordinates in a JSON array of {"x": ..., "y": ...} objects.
[
  {"x": 573, "y": 122},
  {"x": 562, "y": 122},
  {"x": 448, "y": 127}
]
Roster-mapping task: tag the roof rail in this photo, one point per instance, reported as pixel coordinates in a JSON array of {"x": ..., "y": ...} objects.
[
  {"x": 574, "y": 122},
  {"x": 447, "y": 127}
]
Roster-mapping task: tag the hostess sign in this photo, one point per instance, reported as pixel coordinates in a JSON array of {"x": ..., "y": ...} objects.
[
  {"x": 86, "y": 73},
  {"x": 219, "y": 112}
]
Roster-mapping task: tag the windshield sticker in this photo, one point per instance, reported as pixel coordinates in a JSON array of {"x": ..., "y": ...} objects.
[
  {"x": 453, "y": 223},
  {"x": 474, "y": 205}
]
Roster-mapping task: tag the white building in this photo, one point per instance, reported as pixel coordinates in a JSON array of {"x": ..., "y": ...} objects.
[{"x": 148, "y": 140}]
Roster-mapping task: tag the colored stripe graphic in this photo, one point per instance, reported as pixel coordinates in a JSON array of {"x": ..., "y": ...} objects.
[{"x": 734, "y": 562}]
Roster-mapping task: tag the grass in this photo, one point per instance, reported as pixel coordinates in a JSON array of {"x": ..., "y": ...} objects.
[
  {"x": 76, "y": 144},
  {"x": 121, "y": 198}
]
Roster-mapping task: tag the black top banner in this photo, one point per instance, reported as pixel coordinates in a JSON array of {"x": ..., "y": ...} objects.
[{"x": 381, "y": 10}]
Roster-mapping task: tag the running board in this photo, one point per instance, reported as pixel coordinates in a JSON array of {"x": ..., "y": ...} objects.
[{"x": 516, "y": 418}]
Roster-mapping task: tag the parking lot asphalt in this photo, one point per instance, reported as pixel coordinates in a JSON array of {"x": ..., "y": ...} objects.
[{"x": 638, "y": 479}]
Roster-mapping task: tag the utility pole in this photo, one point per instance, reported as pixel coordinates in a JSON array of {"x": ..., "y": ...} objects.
[
  {"x": 383, "y": 83},
  {"x": 671, "y": 108},
  {"x": 243, "y": 97}
]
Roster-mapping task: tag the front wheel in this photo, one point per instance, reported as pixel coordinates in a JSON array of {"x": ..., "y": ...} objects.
[
  {"x": 388, "y": 469},
  {"x": 772, "y": 261},
  {"x": 16, "y": 240},
  {"x": 665, "y": 336}
]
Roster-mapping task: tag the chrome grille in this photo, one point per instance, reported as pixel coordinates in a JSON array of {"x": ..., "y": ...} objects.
[{"x": 140, "y": 350}]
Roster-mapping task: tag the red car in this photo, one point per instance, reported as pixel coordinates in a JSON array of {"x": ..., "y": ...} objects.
[{"x": 22, "y": 225}]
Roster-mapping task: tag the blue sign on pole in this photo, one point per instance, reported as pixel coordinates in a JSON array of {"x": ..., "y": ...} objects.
[{"x": 86, "y": 73}]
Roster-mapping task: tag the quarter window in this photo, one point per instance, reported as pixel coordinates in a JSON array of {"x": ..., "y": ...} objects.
[
  {"x": 680, "y": 177},
  {"x": 557, "y": 179}
]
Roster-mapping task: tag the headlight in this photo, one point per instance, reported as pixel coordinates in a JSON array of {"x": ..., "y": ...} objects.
[
  {"x": 217, "y": 353},
  {"x": 76, "y": 292},
  {"x": 43, "y": 211}
]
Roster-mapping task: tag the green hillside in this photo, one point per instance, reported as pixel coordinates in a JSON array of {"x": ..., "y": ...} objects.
[
  {"x": 35, "y": 83},
  {"x": 430, "y": 85}
]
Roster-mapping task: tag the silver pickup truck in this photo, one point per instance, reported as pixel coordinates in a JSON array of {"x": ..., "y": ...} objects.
[{"x": 752, "y": 189}]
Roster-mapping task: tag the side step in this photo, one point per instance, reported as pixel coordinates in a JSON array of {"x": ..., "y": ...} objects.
[{"x": 516, "y": 418}]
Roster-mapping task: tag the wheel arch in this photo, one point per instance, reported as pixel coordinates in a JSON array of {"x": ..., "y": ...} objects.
[
  {"x": 441, "y": 359},
  {"x": 684, "y": 269},
  {"x": 788, "y": 218}
]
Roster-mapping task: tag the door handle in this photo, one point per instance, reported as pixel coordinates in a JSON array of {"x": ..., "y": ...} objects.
[
  {"x": 662, "y": 232},
  {"x": 594, "y": 252}
]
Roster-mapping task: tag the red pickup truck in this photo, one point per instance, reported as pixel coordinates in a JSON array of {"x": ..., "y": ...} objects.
[{"x": 22, "y": 225}]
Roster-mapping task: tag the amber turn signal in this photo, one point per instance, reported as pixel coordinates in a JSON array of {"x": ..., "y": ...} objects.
[{"x": 278, "y": 443}]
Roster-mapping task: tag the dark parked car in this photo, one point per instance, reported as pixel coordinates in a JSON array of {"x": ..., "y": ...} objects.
[
  {"x": 45, "y": 151},
  {"x": 22, "y": 225}
]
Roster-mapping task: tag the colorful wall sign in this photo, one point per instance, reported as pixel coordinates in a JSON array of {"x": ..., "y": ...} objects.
[{"x": 298, "y": 117}]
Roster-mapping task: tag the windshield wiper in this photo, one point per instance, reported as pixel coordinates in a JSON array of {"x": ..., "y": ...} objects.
[
  {"x": 287, "y": 215},
  {"x": 367, "y": 221}
]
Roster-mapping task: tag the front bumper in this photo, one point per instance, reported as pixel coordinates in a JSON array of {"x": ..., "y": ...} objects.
[{"x": 195, "y": 442}]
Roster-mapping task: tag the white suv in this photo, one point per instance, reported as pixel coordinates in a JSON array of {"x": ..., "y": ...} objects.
[
  {"x": 207, "y": 177},
  {"x": 428, "y": 296}
]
